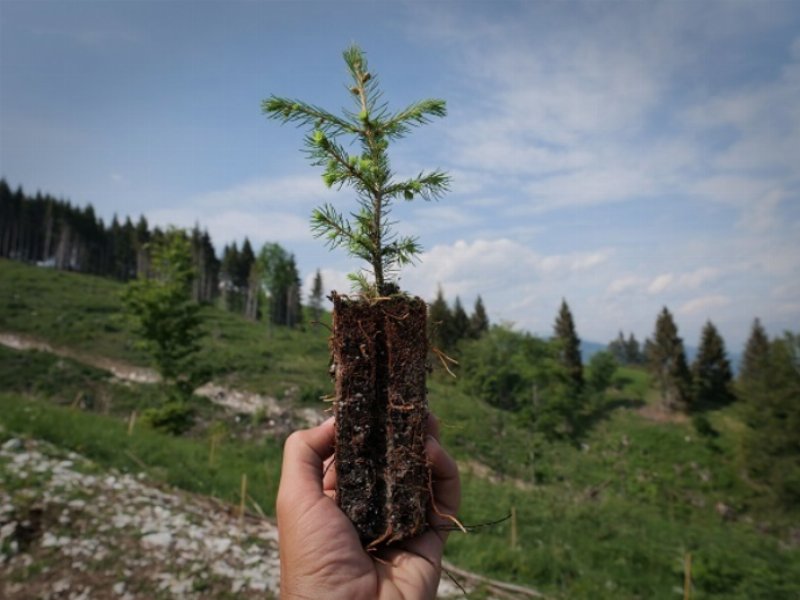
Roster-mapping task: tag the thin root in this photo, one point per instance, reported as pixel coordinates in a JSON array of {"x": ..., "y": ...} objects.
[
  {"x": 444, "y": 359},
  {"x": 436, "y": 510},
  {"x": 378, "y": 541}
]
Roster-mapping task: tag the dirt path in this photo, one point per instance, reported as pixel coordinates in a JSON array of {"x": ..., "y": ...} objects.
[{"x": 119, "y": 369}]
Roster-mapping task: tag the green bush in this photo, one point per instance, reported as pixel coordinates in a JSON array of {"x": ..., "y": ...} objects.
[{"x": 174, "y": 417}]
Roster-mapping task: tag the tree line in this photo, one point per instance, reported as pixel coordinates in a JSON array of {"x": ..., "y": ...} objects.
[{"x": 52, "y": 232}]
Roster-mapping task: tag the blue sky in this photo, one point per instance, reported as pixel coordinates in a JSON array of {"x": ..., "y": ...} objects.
[{"x": 622, "y": 155}]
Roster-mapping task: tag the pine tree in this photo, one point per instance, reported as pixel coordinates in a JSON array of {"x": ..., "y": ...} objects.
[
  {"x": 478, "y": 321},
  {"x": 756, "y": 354},
  {"x": 667, "y": 360},
  {"x": 570, "y": 346},
  {"x": 711, "y": 371},
  {"x": 315, "y": 298}
]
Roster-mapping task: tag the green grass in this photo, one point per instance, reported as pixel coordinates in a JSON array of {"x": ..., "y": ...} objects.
[
  {"x": 83, "y": 312},
  {"x": 178, "y": 461},
  {"x": 610, "y": 515}
]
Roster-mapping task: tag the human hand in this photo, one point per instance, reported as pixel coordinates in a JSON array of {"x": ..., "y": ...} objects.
[{"x": 320, "y": 551}]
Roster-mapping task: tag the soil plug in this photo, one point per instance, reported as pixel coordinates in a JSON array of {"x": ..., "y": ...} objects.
[{"x": 379, "y": 344}]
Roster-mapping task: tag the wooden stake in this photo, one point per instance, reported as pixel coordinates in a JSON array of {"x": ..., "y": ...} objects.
[
  {"x": 513, "y": 528},
  {"x": 212, "y": 451},
  {"x": 131, "y": 423},
  {"x": 687, "y": 576},
  {"x": 244, "y": 498}
]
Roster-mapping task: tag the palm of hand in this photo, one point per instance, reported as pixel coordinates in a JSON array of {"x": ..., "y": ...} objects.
[{"x": 321, "y": 554}]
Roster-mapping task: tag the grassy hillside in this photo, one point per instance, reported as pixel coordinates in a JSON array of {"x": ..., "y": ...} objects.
[{"x": 613, "y": 515}]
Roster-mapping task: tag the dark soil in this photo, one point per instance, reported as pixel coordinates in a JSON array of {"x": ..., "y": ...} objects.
[{"x": 379, "y": 350}]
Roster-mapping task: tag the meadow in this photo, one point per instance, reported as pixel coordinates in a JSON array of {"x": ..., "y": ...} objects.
[{"x": 630, "y": 509}]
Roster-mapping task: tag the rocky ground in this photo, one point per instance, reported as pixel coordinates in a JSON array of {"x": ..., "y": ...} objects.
[{"x": 70, "y": 530}]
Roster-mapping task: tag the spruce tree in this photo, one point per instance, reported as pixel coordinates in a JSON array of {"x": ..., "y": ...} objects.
[
  {"x": 570, "y": 346},
  {"x": 756, "y": 354},
  {"x": 440, "y": 322},
  {"x": 460, "y": 322},
  {"x": 633, "y": 353},
  {"x": 667, "y": 360},
  {"x": 478, "y": 321},
  {"x": 315, "y": 298},
  {"x": 368, "y": 173},
  {"x": 711, "y": 371},
  {"x": 618, "y": 349}
]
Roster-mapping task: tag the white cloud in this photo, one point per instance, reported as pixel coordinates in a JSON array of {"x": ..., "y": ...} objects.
[
  {"x": 226, "y": 226},
  {"x": 660, "y": 283},
  {"x": 285, "y": 193},
  {"x": 625, "y": 283},
  {"x": 704, "y": 305}
]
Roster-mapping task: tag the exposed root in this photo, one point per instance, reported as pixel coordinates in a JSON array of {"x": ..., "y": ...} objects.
[
  {"x": 435, "y": 508},
  {"x": 378, "y": 541},
  {"x": 444, "y": 359}
]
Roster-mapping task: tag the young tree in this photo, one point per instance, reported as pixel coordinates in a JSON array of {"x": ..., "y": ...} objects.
[
  {"x": 315, "y": 298},
  {"x": 668, "y": 363},
  {"x": 711, "y": 371},
  {"x": 602, "y": 367},
  {"x": 756, "y": 354},
  {"x": 379, "y": 343},
  {"x": 478, "y": 321},
  {"x": 368, "y": 236},
  {"x": 162, "y": 308},
  {"x": 570, "y": 346}
]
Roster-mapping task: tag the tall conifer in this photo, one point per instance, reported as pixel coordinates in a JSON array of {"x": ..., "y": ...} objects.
[
  {"x": 570, "y": 345},
  {"x": 668, "y": 363},
  {"x": 711, "y": 370},
  {"x": 756, "y": 354}
]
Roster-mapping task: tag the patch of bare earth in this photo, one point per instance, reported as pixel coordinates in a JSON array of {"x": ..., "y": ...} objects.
[
  {"x": 659, "y": 414},
  {"x": 119, "y": 369}
]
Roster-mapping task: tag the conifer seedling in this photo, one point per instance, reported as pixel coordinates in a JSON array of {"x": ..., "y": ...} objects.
[
  {"x": 379, "y": 343},
  {"x": 367, "y": 234}
]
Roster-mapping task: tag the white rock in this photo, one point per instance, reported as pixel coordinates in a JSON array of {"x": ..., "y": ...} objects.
[{"x": 160, "y": 538}]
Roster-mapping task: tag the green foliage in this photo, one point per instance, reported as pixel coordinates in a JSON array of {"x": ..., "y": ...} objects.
[
  {"x": 315, "y": 298},
  {"x": 174, "y": 417},
  {"x": 178, "y": 461},
  {"x": 440, "y": 323},
  {"x": 569, "y": 345},
  {"x": 667, "y": 361},
  {"x": 278, "y": 275},
  {"x": 602, "y": 368},
  {"x": 756, "y": 354},
  {"x": 772, "y": 413},
  {"x": 711, "y": 371},
  {"x": 478, "y": 321},
  {"x": 368, "y": 234},
  {"x": 521, "y": 373},
  {"x": 161, "y": 306},
  {"x": 626, "y": 351}
]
